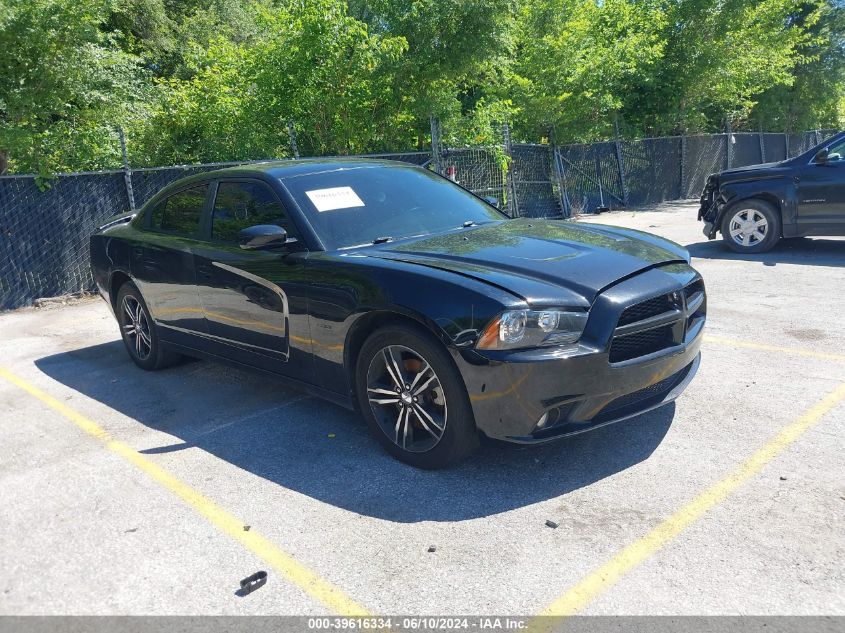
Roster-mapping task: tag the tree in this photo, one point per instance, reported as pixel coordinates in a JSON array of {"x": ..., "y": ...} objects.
[
  {"x": 311, "y": 63},
  {"x": 815, "y": 99},
  {"x": 717, "y": 56},
  {"x": 64, "y": 86},
  {"x": 576, "y": 61},
  {"x": 456, "y": 53},
  {"x": 216, "y": 80}
]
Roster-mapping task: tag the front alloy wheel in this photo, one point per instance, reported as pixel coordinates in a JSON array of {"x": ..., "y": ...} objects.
[
  {"x": 752, "y": 226},
  {"x": 406, "y": 398},
  {"x": 748, "y": 227},
  {"x": 412, "y": 396}
]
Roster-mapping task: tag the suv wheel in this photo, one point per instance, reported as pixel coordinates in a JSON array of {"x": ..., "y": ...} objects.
[
  {"x": 413, "y": 398},
  {"x": 751, "y": 226}
]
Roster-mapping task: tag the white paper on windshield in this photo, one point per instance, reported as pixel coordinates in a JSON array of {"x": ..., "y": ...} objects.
[{"x": 334, "y": 198}]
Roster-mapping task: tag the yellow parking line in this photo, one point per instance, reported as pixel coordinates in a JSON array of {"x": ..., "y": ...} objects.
[
  {"x": 719, "y": 340},
  {"x": 281, "y": 561},
  {"x": 606, "y": 576}
]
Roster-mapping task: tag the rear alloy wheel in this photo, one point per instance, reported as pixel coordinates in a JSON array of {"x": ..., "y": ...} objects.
[
  {"x": 138, "y": 331},
  {"x": 136, "y": 327},
  {"x": 413, "y": 399},
  {"x": 752, "y": 226}
]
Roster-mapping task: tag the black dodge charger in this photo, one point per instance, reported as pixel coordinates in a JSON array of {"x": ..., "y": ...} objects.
[{"x": 386, "y": 287}]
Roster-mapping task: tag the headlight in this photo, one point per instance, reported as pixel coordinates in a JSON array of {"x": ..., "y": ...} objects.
[{"x": 518, "y": 329}]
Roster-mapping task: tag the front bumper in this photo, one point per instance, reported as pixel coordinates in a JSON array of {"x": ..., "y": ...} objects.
[
  {"x": 582, "y": 389},
  {"x": 709, "y": 207}
]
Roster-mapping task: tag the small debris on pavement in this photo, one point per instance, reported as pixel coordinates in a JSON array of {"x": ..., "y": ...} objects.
[
  {"x": 251, "y": 583},
  {"x": 432, "y": 548},
  {"x": 246, "y": 528},
  {"x": 551, "y": 524},
  {"x": 130, "y": 530},
  {"x": 783, "y": 478}
]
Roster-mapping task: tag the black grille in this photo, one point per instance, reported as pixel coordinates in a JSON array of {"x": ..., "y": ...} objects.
[
  {"x": 641, "y": 343},
  {"x": 646, "y": 309},
  {"x": 626, "y": 346}
]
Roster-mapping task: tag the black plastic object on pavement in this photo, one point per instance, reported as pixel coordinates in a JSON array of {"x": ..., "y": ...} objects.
[{"x": 251, "y": 583}]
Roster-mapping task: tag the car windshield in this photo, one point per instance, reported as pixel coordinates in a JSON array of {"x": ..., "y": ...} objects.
[{"x": 363, "y": 204}]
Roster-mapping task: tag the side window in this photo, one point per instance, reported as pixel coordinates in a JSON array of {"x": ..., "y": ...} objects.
[
  {"x": 157, "y": 212},
  {"x": 836, "y": 152},
  {"x": 181, "y": 212},
  {"x": 243, "y": 204}
]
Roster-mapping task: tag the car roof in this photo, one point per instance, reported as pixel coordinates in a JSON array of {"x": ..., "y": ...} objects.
[
  {"x": 281, "y": 169},
  {"x": 291, "y": 168}
]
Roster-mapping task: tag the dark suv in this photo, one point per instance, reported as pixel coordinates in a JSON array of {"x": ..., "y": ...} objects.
[{"x": 755, "y": 206}]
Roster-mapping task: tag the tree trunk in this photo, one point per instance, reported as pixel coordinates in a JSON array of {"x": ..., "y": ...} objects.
[{"x": 4, "y": 161}]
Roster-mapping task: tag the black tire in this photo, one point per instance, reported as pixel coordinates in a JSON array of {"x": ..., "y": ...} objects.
[
  {"x": 744, "y": 215},
  {"x": 441, "y": 399},
  {"x": 145, "y": 349}
]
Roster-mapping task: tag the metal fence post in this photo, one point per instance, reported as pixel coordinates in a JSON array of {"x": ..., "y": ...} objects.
[
  {"x": 729, "y": 150},
  {"x": 436, "y": 144},
  {"x": 786, "y": 144},
  {"x": 513, "y": 204},
  {"x": 560, "y": 177},
  {"x": 292, "y": 134},
  {"x": 620, "y": 165},
  {"x": 682, "y": 189},
  {"x": 127, "y": 171},
  {"x": 762, "y": 147}
]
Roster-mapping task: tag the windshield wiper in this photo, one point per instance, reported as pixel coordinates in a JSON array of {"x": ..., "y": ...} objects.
[{"x": 382, "y": 240}]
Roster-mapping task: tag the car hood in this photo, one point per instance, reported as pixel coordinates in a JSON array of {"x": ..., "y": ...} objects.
[
  {"x": 764, "y": 170},
  {"x": 540, "y": 260}
]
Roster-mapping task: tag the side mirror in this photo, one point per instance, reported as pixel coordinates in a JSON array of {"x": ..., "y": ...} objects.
[
  {"x": 492, "y": 201},
  {"x": 821, "y": 157},
  {"x": 262, "y": 236}
]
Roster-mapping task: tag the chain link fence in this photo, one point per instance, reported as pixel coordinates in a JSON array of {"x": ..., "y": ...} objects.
[{"x": 44, "y": 227}]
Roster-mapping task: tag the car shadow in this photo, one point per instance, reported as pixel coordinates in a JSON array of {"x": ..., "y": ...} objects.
[
  {"x": 325, "y": 452},
  {"x": 803, "y": 251}
]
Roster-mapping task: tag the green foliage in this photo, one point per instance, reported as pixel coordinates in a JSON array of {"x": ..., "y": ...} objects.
[
  {"x": 578, "y": 59},
  {"x": 719, "y": 55},
  {"x": 216, "y": 80},
  {"x": 816, "y": 97},
  {"x": 64, "y": 86},
  {"x": 315, "y": 65}
]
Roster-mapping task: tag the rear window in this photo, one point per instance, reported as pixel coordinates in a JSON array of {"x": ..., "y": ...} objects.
[{"x": 180, "y": 213}]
